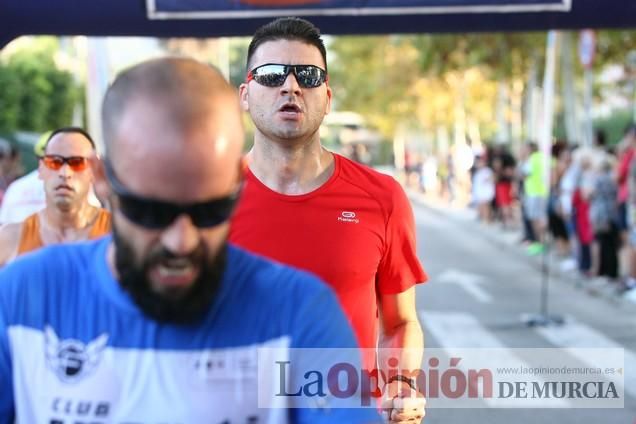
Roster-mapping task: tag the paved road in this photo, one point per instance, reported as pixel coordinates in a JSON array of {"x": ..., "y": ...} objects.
[{"x": 476, "y": 295}]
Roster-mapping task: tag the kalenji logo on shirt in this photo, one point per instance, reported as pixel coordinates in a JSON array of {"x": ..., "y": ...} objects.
[{"x": 346, "y": 216}]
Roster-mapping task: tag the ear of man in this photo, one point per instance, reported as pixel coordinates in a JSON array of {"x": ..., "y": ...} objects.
[{"x": 100, "y": 182}]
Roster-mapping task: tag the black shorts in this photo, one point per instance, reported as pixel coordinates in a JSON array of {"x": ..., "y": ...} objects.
[
  {"x": 557, "y": 226},
  {"x": 622, "y": 217}
]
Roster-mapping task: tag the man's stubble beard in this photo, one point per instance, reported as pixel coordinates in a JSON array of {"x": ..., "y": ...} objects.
[
  {"x": 291, "y": 134},
  {"x": 188, "y": 308}
]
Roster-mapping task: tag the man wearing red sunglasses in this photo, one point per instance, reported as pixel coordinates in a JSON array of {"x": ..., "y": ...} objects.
[
  {"x": 68, "y": 216},
  {"x": 308, "y": 207}
]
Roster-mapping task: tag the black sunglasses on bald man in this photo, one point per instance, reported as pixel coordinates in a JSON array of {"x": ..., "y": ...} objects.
[{"x": 159, "y": 214}]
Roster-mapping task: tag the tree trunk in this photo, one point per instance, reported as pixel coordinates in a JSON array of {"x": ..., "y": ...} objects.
[
  {"x": 568, "y": 93},
  {"x": 503, "y": 124},
  {"x": 460, "y": 112},
  {"x": 516, "y": 106},
  {"x": 530, "y": 121}
]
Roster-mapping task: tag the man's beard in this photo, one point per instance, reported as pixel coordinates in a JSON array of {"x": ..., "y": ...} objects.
[{"x": 192, "y": 305}]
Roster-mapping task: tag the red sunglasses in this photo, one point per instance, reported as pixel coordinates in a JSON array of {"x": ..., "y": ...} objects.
[{"x": 55, "y": 162}]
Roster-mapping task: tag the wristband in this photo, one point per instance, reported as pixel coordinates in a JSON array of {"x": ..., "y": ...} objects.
[{"x": 403, "y": 379}]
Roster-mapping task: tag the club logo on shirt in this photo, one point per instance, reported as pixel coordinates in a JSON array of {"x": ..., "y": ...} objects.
[
  {"x": 72, "y": 360},
  {"x": 347, "y": 216}
]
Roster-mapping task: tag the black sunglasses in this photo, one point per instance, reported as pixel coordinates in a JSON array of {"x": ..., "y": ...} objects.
[
  {"x": 158, "y": 214},
  {"x": 275, "y": 74}
]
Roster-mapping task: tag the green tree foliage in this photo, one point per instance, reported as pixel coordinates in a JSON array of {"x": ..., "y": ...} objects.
[
  {"x": 374, "y": 76},
  {"x": 65, "y": 96},
  {"x": 36, "y": 90},
  {"x": 613, "y": 46},
  {"x": 35, "y": 95},
  {"x": 10, "y": 94},
  {"x": 393, "y": 79},
  {"x": 434, "y": 79},
  {"x": 238, "y": 53}
]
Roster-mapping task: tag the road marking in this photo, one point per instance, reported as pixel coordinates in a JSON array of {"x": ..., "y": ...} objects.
[
  {"x": 459, "y": 332},
  {"x": 576, "y": 335},
  {"x": 468, "y": 281},
  {"x": 458, "y": 329}
]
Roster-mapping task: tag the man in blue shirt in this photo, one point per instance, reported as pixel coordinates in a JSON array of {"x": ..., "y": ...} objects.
[{"x": 163, "y": 321}]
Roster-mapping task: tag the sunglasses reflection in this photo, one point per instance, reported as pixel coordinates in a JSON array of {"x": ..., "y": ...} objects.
[{"x": 275, "y": 75}]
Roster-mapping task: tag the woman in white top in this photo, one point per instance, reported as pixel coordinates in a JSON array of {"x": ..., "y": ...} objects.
[{"x": 483, "y": 188}]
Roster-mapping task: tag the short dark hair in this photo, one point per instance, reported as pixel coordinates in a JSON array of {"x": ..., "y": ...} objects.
[
  {"x": 287, "y": 29},
  {"x": 69, "y": 130}
]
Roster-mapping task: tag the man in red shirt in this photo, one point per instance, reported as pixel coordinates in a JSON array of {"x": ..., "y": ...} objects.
[{"x": 308, "y": 207}]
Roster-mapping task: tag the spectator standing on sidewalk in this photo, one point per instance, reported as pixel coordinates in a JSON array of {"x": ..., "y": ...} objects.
[
  {"x": 567, "y": 186},
  {"x": 536, "y": 197},
  {"x": 556, "y": 221},
  {"x": 581, "y": 208},
  {"x": 604, "y": 219},
  {"x": 625, "y": 160},
  {"x": 483, "y": 188},
  {"x": 528, "y": 233},
  {"x": 504, "y": 165}
]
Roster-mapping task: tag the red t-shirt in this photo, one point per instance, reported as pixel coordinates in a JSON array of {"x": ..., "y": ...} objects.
[{"x": 356, "y": 232}]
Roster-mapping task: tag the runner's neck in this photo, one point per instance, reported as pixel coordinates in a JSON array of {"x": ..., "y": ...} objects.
[
  {"x": 68, "y": 226},
  {"x": 291, "y": 170}
]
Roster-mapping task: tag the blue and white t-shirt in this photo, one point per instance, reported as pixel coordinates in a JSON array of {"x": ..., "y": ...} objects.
[{"x": 74, "y": 348}]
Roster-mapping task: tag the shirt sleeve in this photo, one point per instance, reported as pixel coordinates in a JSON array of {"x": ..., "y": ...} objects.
[
  {"x": 400, "y": 268},
  {"x": 7, "y": 409}
]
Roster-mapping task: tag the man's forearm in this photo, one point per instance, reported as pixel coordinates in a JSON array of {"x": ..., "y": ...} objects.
[{"x": 406, "y": 344}]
